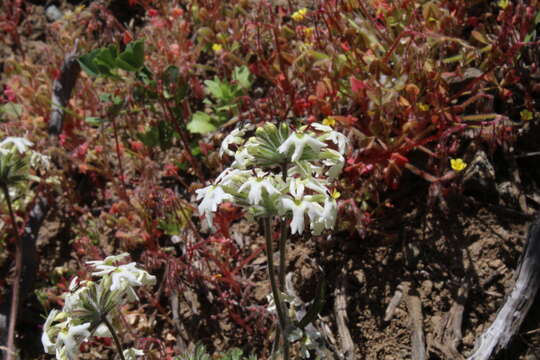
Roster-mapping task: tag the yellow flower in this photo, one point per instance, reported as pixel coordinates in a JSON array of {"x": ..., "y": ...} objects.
[
  {"x": 458, "y": 164},
  {"x": 329, "y": 121},
  {"x": 335, "y": 194},
  {"x": 308, "y": 32},
  {"x": 526, "y": 115},
  {"x": 422, "y": 106},
  {"x": 217, "y": 48},
  {"x": 299, "y": 15}
]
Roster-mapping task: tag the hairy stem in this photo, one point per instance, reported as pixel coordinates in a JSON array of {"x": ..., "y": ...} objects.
[
  {"x": 282, "y": 317},
  {"x": 283, "y": 238},
  {"x": 282, "y": 253},
  {"x": 114, "y": 336},
  {"x": 16, "y": 281}
]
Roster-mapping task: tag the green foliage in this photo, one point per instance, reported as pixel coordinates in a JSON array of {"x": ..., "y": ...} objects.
[
  {"x": 201, "y": 123},
  {"x": 224, "y": 103},
  {"x": 13, "y": 170},
  {"x": 106, "y": 60},
  {"x": 160, "y": 134}
]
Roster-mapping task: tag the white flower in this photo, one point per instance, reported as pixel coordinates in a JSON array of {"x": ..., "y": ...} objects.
[
  {"x": 242, "y": 158},
  {"x": 320, "y": 127},
  {"x": 40, "y": 161},
  {"x": 124, "y": 276},
  {"x": 102, "y": 331},
  {"x": 299, "y": 142},
  {"x": 235, "y": 137},
  {"x": 298, "y": 185},
  {"x": 211, "y": 196},
  {"x": 256, "y": 185},
  {"x": 132, "y": 353},
  {"x": 230, "y": 175},
  {"x": 335, "y": 136},
  {"x": 340, "y": 140},
  {"x": 72, "y": 339},
  {"x": 48, "y": 345},
  {"x": 20, "y": 143},
  {"x": 335, "y": 161},
  {"x": 109, "y": 260},
  {"x": 72, "y": 299},
  {"x": 298, "y": 208},
  {"x": 322, "y": 217}
]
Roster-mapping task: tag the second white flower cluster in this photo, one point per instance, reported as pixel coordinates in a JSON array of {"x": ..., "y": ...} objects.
[
  {"x": 91, "y": 307},
  {"x": 281, "y": 172}
]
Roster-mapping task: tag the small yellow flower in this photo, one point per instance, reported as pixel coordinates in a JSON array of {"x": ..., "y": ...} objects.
[
  {"x": 503, "y": 4},
  {"x": 526, "y": 115},
  {"x": 423, "y": 107},
  {"x": 299, "y": 15},
  {"x": 329, "y": 121},
  {"x": 458, "y": 164},
  {"x": 336, "y": 194},
  {"x": 217, "y": 48},
  {"x": 308, "y": 32}
]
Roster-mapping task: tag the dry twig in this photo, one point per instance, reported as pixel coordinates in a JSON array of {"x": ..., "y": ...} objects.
[
  {"x": 518, "y": 302},
  {"x": 340, "y": 310}
]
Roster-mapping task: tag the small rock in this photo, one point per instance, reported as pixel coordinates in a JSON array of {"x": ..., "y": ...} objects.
[
  {"x": 495, "y": 264},
  {"x": 427, "y": 287},
  {"x": 53, "y": 13}
]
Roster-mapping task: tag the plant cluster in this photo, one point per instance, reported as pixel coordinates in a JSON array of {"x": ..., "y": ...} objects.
[
  {"x": 91, "y": 308},
  {"x": 284, "y": 173}
]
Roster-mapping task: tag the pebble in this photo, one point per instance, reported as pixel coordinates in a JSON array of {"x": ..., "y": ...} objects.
[
  {"x": 427, "y": 287},
  {"x": 53, "y": 13},
  {"x": 495, "y": 264}
]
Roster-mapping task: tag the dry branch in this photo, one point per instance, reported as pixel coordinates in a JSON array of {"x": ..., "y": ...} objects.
[
  {"x": 394, "y": 303},
  {"x": 62, "y": 88},
  {"x": 449, "y": 335},
  {"x": 340, "y": 310},
  {"x": 517, "y": 304},
  {"x": 416, "y": 320}
]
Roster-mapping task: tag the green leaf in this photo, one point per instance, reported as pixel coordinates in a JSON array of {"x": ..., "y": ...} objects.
[
  {"x": 201, "y": 123},
  {"x": 11, "y": 110},
  {"x": 100, "y": 62},
  {"x": 88, "y": 65},
  {"x": 214, "y": 88},
  {"x": 94, "y": 121},
  {"x": 241, "y": 76},
  {"x": 132, "y": 58}
]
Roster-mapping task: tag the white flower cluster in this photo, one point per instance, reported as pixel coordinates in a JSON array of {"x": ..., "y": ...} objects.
[
  {"x": 21, "y": 146},
  {"x": 88, "y": 304},
  {"x": 311, "y": 156}
]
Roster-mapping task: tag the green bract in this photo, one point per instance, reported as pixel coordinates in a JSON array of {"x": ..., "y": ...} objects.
[{"x": 311, "y": 156}]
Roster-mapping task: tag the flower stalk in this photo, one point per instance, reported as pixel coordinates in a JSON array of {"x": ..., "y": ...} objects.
[
  {"x": 16, "y": 288},
  {"x": 114, "y": 336},
  {"x": 280, "y": 305}
]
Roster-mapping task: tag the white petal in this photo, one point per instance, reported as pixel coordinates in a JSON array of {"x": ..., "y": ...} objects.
[
  {"x": 20, "y": 143},
  {"x": 48, "y": 345}
]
